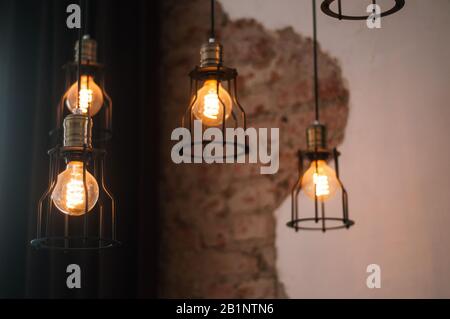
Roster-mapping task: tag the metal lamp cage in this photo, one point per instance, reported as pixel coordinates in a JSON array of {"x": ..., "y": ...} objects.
[
  {"x": 319, "y": 221},
  {"x": 102, "y": 130},
  {"x": 95, "y": 229},
  {"x": 237, "y": 119},
  {"x": 326, "y": 8}
]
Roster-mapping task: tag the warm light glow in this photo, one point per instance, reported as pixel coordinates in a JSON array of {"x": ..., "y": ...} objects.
[
  {"x": 69, "y": 193},
  {"x": 90, "y": 96},
  {"x": 209, "y": 106},
  {"x": 211, "y": 101},
  {"x": 322, "y": 186},
  {"x": 321, "y": 180}
]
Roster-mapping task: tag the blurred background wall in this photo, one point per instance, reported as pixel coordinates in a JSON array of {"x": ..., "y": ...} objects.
[
  {"x": 217, "y": 221},
  {"x": 396, "y": 154}
]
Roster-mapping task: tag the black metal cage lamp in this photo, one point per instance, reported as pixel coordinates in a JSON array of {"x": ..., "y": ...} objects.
[
  {"x": 319, "y": 182},
  {"x": 326, "y": 8},
  {"x": 77, "y": 211},
  {"x": 86, "y": 76},
  {"x": 213, "y": 94}
]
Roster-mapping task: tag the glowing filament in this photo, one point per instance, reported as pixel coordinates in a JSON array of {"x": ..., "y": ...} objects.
[
  {"x": 90, "y": 97},
  {"x": 85, "y": 99},
  {"x": 75, "y": 191},
  {"x": 69, "y": 194},
  {"x": 322, "y": 186},
  {"x": 320, "y": 181},
  {"x": 212, "y": 102}
]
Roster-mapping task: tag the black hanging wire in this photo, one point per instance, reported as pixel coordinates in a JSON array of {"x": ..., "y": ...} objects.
[
  {"x": 213, "y": 33},
  {"x": 316, "y": 101},
  {"x": 86, "y": 32},
  {"x": 82, "y": 4},
  {"x": 374, "y": 3},
  {"x": 340, "y": 9},
  {"x": 81, "y": 31},
  {"x": 86, "y": 17},
  {"x": 316, "y": 76},
  {"x": 80, "y": 35}
]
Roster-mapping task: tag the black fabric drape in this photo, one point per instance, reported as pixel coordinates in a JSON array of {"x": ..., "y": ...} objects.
[{"x": 34, "y": 44}]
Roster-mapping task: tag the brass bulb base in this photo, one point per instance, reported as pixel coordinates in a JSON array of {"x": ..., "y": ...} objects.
[
  {"x": 88, "y": 50},
  {"x": 77, "y": 131},
  {"x": 316, "y": 137},
  {"x": 211, "y": 54}
]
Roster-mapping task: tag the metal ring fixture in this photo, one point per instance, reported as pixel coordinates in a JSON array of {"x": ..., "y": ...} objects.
[
  {"x": 326, "y": 4},
  {"x": 239, "y": 149},
  {"x": 66, "y": 243},
  {"x": 341, "y": 223}
]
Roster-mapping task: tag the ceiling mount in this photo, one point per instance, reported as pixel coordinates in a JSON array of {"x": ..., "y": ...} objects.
[{"x": 326, "y": 4}]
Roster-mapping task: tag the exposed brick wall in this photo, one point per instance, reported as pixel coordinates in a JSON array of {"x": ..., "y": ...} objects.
[{"x": 217, "y": 224}]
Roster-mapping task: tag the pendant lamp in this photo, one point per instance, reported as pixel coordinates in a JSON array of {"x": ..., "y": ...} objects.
[
  {"x": 317, "y": 180},
  {"x": 213, "y": 96},
  {"x": 77, "y": 211}
]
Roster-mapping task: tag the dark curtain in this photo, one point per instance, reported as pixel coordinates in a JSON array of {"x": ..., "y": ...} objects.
[{"x": 34, "y": 44}]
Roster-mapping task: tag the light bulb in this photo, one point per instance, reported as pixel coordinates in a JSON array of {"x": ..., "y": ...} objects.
[
  {"x": 69, "y": 193},
  {"x": 208, "y": 107},
  {"x": 321, "y": 180},
  {"x": 90, "y": 96}
]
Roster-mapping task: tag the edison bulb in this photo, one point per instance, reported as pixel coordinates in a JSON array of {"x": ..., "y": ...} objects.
[
  {"x": 90, "y": 96},
  {"x": 69, "y": 193},
  {"x": 208, "y": 107},
  {"x": 320, "y": 179}
]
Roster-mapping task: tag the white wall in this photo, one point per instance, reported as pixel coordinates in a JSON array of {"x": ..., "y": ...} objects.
[{"x": 396, "y": 154}]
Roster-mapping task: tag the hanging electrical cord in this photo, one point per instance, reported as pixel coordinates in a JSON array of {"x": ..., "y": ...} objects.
[
  {"x": 86, "y": 17},
  {"x": 212, "y": 35},
  {"x": 80, "y": 37},
  {"x": 374, "y": 3},
  {"x": 316, "y": 76},
  {"x": 340, "y": 9}
]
